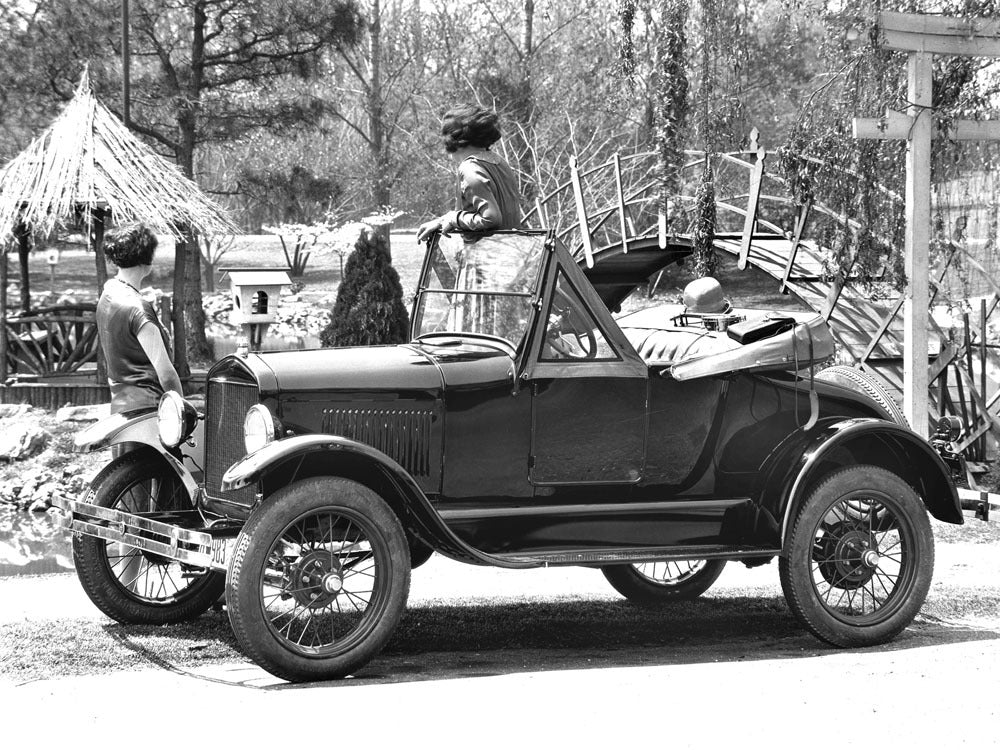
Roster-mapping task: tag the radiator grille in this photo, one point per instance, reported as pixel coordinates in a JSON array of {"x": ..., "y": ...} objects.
[
  {"x": 226, "y": 406},
  {"x": 402, "y": 434}
]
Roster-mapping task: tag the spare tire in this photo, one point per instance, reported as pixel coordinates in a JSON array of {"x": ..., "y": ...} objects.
[{"x": 868, "y": 384}]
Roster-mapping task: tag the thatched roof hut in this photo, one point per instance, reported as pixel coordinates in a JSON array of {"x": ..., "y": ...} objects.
[{"x": 87, "y": 159}]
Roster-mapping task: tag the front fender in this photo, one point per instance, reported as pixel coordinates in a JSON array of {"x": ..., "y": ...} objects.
[
  {"x": 809, "y": 455},
  {"x": 398, "y": 488},
  {"x": 139, "y": 426},
  {"x": 135, "y": 426}
]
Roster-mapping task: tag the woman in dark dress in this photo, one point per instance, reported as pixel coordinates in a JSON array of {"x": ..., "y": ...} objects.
[
  {"x": 488, "y": 194},
  {"x": 135, "y": 344}
]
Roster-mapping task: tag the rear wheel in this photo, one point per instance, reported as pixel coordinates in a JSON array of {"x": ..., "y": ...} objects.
[
  {"x": 665, "y": 580},
  {"x": 860, "y": 556},
  {"x": 127, "y": 584},
  {"x": 318, "y": 580}
]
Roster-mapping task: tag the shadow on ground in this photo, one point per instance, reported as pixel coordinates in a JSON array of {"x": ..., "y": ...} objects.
[{"x": 447, "y": 641}]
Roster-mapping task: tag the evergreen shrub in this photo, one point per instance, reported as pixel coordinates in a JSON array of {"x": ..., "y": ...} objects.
[{"x": 369, "y": 309}]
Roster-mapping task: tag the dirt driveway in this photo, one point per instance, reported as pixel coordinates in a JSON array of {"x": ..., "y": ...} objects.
[{"x": 522, "y": 659}]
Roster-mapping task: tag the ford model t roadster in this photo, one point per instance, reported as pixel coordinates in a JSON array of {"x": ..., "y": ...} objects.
[{"x": 522, "y": 426}]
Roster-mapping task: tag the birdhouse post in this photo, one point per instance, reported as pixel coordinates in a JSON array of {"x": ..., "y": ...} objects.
[{"x": 256, "y": 292}]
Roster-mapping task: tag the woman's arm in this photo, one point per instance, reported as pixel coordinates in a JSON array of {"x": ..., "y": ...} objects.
[{"x": 152, "y": 344}]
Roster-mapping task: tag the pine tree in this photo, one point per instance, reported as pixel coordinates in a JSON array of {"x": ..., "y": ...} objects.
[{"x": 369, "y": 308}]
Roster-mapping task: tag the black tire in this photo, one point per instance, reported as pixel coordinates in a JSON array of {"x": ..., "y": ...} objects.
[
  {"x": 868, "y": 384},
  {"x": 664, "y": 581},
  {"x": 129, "y": 585},
  {"x": 859, "y": 558},
  {"x": 325, "y": 605}
]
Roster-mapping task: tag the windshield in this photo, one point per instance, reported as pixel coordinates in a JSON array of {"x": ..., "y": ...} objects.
[{"x": 483, "y": 287}]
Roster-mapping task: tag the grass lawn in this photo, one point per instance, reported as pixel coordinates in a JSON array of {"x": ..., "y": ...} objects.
[{"x": 75, "y": 275}]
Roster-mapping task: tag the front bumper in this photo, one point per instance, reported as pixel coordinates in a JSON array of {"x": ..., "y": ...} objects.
[{"x": 198, "y": 547}]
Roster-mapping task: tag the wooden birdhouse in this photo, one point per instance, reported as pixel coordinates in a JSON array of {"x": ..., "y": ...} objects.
[{"x": 255, "y": 293}]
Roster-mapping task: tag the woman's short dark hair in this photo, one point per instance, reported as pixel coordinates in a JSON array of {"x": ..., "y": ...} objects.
[
  {"x": 130, "y": 245},
  {"x": 469, "y": 125}
]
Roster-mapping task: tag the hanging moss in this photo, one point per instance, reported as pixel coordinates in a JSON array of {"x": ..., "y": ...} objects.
[
  {"x": 369, "y": 308},
  {"x": 671, "y": 104},
  {"x": 704, "y": 228},
  {"x": 626, "y": 45}
]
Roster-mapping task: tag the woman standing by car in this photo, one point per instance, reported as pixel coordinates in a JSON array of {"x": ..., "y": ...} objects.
[
  {"x": 488, "y": 194},
  {"x": 134, "y": 342}
]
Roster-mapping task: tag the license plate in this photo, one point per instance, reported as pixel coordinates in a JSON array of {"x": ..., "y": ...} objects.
[{"x": 221, "y": 550}]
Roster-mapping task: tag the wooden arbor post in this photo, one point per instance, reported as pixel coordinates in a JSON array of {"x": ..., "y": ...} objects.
[{"x": 922, "y": 37}]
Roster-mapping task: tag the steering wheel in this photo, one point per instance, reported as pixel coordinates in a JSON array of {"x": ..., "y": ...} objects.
[{"x": 561, "y": 337}]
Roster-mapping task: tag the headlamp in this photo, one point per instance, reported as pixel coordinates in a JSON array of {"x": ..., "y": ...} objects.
[
  {"x": 176, "y": 419},
  {"x": 258, "y": 428}
]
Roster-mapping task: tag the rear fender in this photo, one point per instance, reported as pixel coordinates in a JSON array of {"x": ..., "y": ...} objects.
[
  {"x": 291, "y": 459},
  {"x": 139, "y": 426},
  {"x": 807, "y": 456}
]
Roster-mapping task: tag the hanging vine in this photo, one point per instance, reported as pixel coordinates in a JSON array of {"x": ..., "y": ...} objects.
[
  {"x": 626, "y": 44},
  {"x": 671, "y": 104},
  {"x": 704, "y": 229}
]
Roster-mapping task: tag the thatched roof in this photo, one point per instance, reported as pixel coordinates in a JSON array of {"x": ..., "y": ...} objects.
[{"x": 88, "y": 159}]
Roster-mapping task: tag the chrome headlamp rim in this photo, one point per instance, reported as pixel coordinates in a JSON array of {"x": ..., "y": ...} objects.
[
  {"x": 258, "y": 428},
  {"x": 175, "y": 419}
]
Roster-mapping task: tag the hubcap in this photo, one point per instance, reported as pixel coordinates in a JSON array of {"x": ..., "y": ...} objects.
[
  {"x": 323, "y": 584},
  {"x": 860, "y": 558}
]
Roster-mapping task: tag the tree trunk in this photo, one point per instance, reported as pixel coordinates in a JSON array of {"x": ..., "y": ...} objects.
[
  {"x": 524, "y": 109},
  {"x": 96, "y": 242},
  {"x": 190, "y": 341},
  {"x": 177, "y": 312},
  {"x": 3, "y": 316},
  {"x": 23, "y": 250},
  {"x": 198, "y": 349},
  {"x": 377, "y": 147}
]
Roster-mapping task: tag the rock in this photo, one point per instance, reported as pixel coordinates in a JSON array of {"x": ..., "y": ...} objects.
[
  {"x": 18, "y": 442},
  {"x": 40, "y": 504},
  {"x": 13, "y": 410},
  {"x": 83, "y": 413}
]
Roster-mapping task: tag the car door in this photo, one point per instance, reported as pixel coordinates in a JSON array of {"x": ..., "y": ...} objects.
[{"x": 588, "y": 388}]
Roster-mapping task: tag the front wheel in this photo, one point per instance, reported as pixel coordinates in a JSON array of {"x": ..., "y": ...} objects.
[
  {"x": 859, "y": 558},
  {"x": 127, "y": 584},
  {"x": 318, "y": 580},
  {"x": 663, "y": 581}
]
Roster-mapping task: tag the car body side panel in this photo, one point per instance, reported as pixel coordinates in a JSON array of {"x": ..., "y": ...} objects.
[
  {"x": 681, "y": 421},
  {"x": 588, "y": 430}
]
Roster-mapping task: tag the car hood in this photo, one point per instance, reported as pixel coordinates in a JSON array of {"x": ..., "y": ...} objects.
[
  {"x": 370, "y": 368},
  {"x": 416, "y": 367}
]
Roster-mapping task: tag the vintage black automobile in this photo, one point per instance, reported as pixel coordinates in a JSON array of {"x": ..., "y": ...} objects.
[{"x": 522, "y": 426}]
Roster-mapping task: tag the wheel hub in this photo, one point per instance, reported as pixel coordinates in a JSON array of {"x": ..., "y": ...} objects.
[
  {"x": 847, "y": 557},
  {"x": 316, "y": 579}
]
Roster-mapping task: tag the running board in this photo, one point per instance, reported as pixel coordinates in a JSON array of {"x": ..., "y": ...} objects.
[
  {"x": 616, "y": 556},
  {"x": 197, "y": 548}
]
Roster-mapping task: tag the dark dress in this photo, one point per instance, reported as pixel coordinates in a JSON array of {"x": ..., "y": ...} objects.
[
  {"x": 121, "y": 312},
  {"x": 488, "y": 195}
]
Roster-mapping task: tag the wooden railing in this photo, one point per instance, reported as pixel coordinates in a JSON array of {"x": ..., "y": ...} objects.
[{"x": 50, "y": 341}]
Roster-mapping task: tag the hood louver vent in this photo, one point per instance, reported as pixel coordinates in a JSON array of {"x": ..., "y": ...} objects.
[{"x": 402, "y": 434}]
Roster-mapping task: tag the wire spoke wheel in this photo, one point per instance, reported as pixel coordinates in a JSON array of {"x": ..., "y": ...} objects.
[
  {"x": 126, "y": 583},
  {"x": 663, "y": 580},
  {"x": 322, "y": 585},
  {"x": 318, "y": 579},
  {"x": 860, "y": 557}
]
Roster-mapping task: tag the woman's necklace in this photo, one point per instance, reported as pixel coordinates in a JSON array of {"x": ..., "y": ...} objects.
[{"x": 118, "y": 278}]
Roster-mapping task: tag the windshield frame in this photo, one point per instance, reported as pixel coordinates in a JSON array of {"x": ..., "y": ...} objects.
[{"x": 429, "y": 283}]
